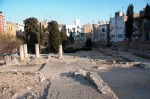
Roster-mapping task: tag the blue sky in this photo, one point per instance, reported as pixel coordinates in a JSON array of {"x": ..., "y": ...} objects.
[{"x": 66, "y": 11}]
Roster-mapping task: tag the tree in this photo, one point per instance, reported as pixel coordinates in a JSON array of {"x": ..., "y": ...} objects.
[
  {"x": 147, "y": 17},
  {"x": 129, "y": 22},
  {"x": 71, "y": 38},
  {"x": 88, "y": 43},
  {"x": 44, "y": 37},
  {"x": 147, "y": 11},
  {"x": 32, "y": 35},
  {"x": 54, "y": 36},
  {"x": 64, "y": 39}
]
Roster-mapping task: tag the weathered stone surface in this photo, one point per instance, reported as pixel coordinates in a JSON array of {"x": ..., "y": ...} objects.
[
  {"x": 60, "y": 51},
  {"x": 25, "y": 51},
  {"x": 49, "y": 56},
  {"x": 37, "y": 54},
  {"x": 14, "y": 57},
  {"x": 94, "y": 78},
  {"x": 145, "y": 65},
  {"x": 7, "y": 59},
  {"x": 21, "y": 52}
]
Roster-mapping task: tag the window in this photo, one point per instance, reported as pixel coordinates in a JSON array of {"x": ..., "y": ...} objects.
[
  {"x": 82, "y": 34},
  {"x": 103, "y": 30},
  {"x": 120, "y": 35},
  {"x": 73, "y": 29}
]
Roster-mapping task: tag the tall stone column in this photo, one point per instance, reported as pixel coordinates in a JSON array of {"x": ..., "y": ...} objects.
[
  {"x": 21, "y": 52},
  {"x": 25, "y": 51},
  {"x": 37, "y": 50},
  {"x": 60, "y": 51}
]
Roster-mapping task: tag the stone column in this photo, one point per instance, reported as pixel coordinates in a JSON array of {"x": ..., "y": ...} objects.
[
  {"x": 21, "y": 52},
  {"x": 60, "y": 51},
  {"x": 37, "y": 50},
  {"x": 25, "y": 51}
]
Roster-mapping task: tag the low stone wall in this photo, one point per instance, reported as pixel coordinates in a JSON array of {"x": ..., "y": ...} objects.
[{"x": 94, "y": 78}]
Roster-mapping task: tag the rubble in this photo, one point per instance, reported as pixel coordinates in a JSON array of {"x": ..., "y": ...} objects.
[
  {"x": 145, "y": 65},
  {"x": 93, "y": 77}
]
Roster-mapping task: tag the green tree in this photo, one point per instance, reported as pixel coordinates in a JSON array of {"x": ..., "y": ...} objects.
[
  {"x": 88, "y": 43},
  {"x": 71, "y": 38},
  {"x": 147, "y": 11},
  {"x": 129, "y": 22},
  {"x": 147, "y": 17},
  {"x": 64, "y": 39},
  {"x": 54, "y": 36},
  {"x": 32, "y": 35},
  {"x": 44, "y": 37}
]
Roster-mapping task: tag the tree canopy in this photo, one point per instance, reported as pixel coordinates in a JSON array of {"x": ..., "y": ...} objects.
[
  {"x": 32, "y": 35},
  {"x": 129, "y": 22},
  {"x": 54, "y": 36},
  {"x": 64, "y": 39},
  {"x": 147, "y": 11}
]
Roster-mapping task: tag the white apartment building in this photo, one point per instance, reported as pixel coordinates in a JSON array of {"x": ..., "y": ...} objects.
[
  {"x": 19, "y": 29},
  {"x": 117, "y": 27},
  {"x": 76, "y": 29}
]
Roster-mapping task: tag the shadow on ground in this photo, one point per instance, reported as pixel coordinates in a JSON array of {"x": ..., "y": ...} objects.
[{"x": 81, "y": 79}]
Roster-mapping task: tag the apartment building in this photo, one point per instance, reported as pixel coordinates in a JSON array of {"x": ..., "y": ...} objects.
[
  {"x": 136, "y": 26},
  {"x": 87, "y": 30},
  {"x": 19, "y": 29},
  {"x": 94, "y": 32},
  {"x": 74, "y": 29},
  {"x": 10, "y": 29},
  {"x": 43, "y": 24},
  {"x": 104, "y": 31},
  {"x": 144, "y": 27},
  {"x": 117, "y": 27},
  {"x": 2, "y": 23}
]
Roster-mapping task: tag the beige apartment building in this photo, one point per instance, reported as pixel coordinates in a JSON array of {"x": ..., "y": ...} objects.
[
  {"x": 10, "y": 29},
  {"x": 87, "y": 30}
]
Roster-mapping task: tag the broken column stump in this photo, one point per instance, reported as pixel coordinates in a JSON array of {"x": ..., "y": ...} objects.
[
  {"x": 25, "y": 51},
  {"x": 21, "y": 52},
  {"x": 60, "y": 52},
  {"x": 37, "y": 55}
]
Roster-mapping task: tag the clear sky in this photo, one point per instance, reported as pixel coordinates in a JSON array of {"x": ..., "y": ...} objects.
[{"x": 66, "y": 11}]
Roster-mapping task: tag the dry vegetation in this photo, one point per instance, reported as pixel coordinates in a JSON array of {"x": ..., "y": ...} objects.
[{"x": 9, "y": 44}]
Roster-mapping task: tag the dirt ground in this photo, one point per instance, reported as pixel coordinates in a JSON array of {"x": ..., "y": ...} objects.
[{"x": 54, "y": 79}]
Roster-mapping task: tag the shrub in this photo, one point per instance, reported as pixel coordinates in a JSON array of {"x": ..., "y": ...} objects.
[
  {"x": 9, "y": 44},
  {"x": 88, "y": 43}
]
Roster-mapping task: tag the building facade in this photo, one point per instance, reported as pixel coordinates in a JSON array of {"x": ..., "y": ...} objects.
[
  {"x": 2, "y": 23},
  {"x": 117, "y": 27},
  {"x": 10, "y": 29},
  {"x": 87, "y": 30},
  {"x": 19, "y": 29},
  {"x": 74, "y": 29},
  {"x": 136, "y": 27},
  {"x": 43, "y": 24},
  {"x": 95, "y": 34},
  {"x": 104, "y": 31},
  {"x": 144, "y": 27}
]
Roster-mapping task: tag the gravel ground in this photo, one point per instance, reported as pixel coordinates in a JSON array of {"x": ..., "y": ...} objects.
[
  {"x": 53, "y": 79},
  {"x": 128, "y": 83}
]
